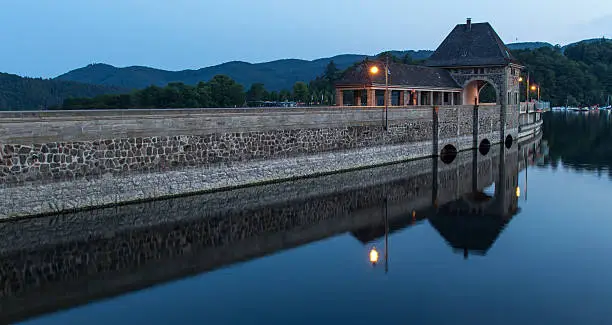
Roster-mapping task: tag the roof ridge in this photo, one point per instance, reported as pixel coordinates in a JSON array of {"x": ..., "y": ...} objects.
[{"x": 479, "y": 45}]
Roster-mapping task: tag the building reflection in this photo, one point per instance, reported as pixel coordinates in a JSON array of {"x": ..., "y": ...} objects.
[
  {"x": 473, "y": 221},
  {"x": 71, "y": 259}
]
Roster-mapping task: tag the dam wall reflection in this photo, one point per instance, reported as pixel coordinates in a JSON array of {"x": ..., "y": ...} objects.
[{"x": 61, "y": 261}]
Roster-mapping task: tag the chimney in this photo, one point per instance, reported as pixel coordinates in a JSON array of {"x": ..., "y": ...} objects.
[{"x": 468, "y": 25}]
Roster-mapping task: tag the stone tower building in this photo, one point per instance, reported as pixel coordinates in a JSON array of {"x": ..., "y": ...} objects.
[{"x": 475, "y": 55}]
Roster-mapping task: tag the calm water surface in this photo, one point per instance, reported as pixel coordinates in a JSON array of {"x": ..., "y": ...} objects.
[{"x": 541, "y": 258}]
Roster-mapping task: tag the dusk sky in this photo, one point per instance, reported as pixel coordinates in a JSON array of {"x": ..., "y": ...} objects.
[{"x": 45, "y": 38}]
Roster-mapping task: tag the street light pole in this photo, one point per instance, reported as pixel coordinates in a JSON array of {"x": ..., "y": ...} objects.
[
  {"x": 374, "y": 70},
  {"x": 527, "y": 85},
  {"x": 386, "y": 92}
]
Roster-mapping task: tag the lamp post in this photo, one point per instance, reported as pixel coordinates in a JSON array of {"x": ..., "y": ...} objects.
[
  {"x": 534, "y": 88},
  {"x": 374, "y": 70},
  {"x": 526, "y": 87}
]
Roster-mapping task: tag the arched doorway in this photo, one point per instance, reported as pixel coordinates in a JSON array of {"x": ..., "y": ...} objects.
[{"x": 480, "y": 92}]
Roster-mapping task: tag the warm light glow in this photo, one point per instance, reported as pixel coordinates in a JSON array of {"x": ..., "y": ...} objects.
[
  {"x": 413, "y": 213},
  {"x": 520, "y": 79},
  {"x": 533, "y": 88},
  {"x": 518, "y": 191},
  {"x": 373, "y": 256},
  {"x": 374, "y": 70}
]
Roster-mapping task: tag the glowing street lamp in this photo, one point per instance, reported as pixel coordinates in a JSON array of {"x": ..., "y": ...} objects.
[
  {"x": 526, "y": 86},
  {"x": 534, "y": 88},
  {"x": 374, "y": 70}
]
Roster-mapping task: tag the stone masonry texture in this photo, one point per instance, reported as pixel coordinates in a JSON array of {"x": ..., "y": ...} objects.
[
  {"x": 43, "y": 265},
  {"x": 54, "y": 161}
]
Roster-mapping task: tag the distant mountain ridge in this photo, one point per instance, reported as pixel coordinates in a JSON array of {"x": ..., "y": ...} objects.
[
  {"x": 528, "y": 45},
  {"x": 275, "y": 75},
  {"x": 20, "y": 93}
]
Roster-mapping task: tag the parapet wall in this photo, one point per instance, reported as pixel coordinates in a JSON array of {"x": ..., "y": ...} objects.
[
  {"x": 56, "y": 161},
  {"x": 62, "y": 145}
]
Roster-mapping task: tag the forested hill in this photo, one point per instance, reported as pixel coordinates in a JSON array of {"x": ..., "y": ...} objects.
[
  {"x": 579, "y": 74},
  {"x": 276, "y": 75},
  {"x": 19, "y": 93}
]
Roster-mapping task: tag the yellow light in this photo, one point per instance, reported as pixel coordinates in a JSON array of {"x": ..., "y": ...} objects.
[
  {"x": 374, "y": 70},
  {"x": 518, "y": 191},
  {"x": 373, "y": 256},
  {"x": 520, "y": 79},
  {"x": 533, "y": 88},
  {"x": 413, "y": 213}
]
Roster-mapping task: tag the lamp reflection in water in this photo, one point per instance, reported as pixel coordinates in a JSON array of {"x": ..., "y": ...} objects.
[{"x": 374, "y": 256}]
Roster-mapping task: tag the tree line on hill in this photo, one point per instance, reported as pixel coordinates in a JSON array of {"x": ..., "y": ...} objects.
[
  {"x": 19, "y": 93},
  {"x": 220, "y": 91},
  {"x": 580, "y": 74}
]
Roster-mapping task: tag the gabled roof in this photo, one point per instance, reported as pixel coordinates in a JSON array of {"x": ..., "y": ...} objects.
[
  {"x": 476, "y": 234},
  {"x": 467, "y": 230},
  {"x": 400, "y": 75},
  {"x": 476, "y": 46}
]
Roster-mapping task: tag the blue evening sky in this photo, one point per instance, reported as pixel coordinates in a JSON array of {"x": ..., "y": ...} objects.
[{"x": 45, "y": 38}]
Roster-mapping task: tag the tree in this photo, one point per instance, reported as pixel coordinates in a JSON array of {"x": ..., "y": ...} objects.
[
  {"x": 331, "y": 71},
  {"x": 407, "y": 59},
  {"x": 273, "y": 96},
  {"x": 148, "y": 97},
  {"x": 225, "y": 92},
  {"x": 284, "y": 95},
  {"x": 256, "y": 93},
  {"x": 221, "y": 91},
  {"x": 300, "y": 92},
  {"x": 203, "y": 91}
]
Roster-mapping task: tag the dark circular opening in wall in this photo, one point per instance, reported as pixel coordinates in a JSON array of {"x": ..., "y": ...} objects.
[
  {"x": 484, "y": 147},
  {"x": 508, "y": 141},
  {"x": 448, "y": 154}
]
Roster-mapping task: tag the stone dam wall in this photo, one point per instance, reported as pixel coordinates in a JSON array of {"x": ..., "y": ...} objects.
[
  {"x": 53, "y": 262},
  {"x": 64, "y": 160}
]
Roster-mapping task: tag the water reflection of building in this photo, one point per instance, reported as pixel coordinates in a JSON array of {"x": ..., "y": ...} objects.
[
  {"x": 60, "y": 261},
  {"x": 474, "y": 220}
]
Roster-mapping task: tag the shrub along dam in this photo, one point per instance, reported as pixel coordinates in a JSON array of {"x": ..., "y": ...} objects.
[{"x": 57, "y": 161}]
